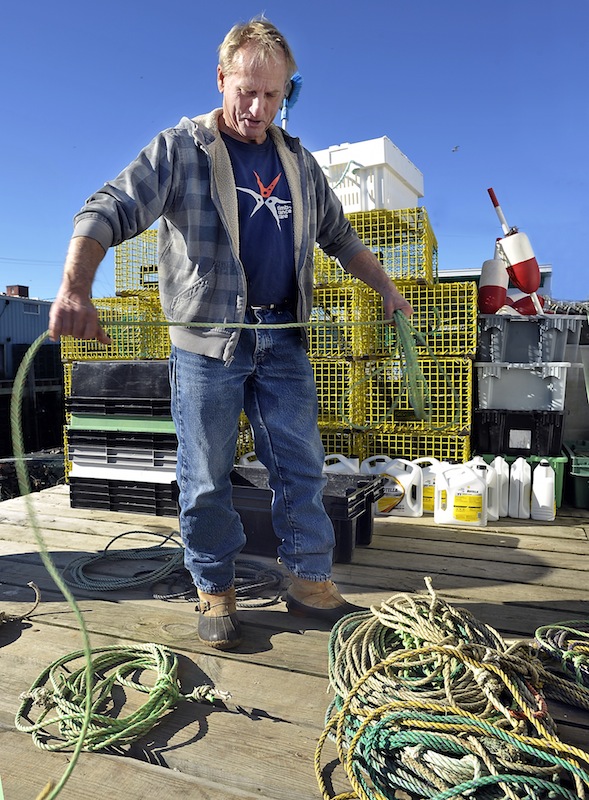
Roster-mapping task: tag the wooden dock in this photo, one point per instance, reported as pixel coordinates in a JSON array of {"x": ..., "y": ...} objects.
[{"x": 514, "y": 575}]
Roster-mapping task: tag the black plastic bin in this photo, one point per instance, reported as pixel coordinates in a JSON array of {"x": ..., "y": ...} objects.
[
  {"x": 158, "y": 499},
  {"x": 120, "y": 379},
  {"x": 348, "y": 499},
  {"x": 129, "y": 388},
  {"x": 518, "y": 433}
]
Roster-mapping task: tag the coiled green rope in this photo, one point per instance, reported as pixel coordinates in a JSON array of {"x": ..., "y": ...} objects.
[
  {"x": 78, "y": 572},
  {"x": 25, "y": 487},
  {"x": 62, "y": 719},
  {"x": 79, "y": 700},
  {"x": 432, "y": 703}
]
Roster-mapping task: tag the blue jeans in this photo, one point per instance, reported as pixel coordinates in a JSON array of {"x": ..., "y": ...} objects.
[{"x": 271, "y": 378}]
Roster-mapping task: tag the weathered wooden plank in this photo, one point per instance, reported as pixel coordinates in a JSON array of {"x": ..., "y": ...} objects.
[
  {"x": 98, "y": 775},
  {"x": 479, "y": 552},
  {"x": 412, "y": 537}
]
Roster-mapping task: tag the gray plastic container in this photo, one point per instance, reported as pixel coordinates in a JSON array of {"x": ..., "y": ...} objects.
[
  {"x": 522, "y": 387},
  {"x": 528, "y": 340}
]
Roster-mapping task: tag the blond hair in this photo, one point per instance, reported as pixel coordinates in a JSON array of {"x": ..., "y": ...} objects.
[{"x": 264, "y": 36}]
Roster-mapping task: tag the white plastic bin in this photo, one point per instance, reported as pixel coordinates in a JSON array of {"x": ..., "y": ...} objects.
[{"x": 522, "y": 387}]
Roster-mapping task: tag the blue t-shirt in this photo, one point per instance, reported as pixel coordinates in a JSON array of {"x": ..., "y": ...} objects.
[{"x": 265, "y": 221}]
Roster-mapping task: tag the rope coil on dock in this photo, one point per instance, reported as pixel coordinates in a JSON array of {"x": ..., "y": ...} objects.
[
  {"x": 58, "y": 697},
  {"x": 430, "y": 703},
  {"x": 568, "y": 644}
]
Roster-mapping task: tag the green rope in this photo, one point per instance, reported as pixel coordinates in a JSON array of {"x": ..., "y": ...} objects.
[
  {"x": 25, "y": 488},
  {"x": 408, "y": 338},
  {"x": 58, "y": 697},
  {"x": 78, "y": 572},
  {"x": 79, "y": 720}
]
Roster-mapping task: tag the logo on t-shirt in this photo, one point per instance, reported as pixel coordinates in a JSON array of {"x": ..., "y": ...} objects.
[{"x": 280, "y": 209}]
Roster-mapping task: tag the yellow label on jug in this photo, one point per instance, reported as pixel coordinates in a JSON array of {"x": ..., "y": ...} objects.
[
  {"x": 429, "y": 494},
  {"x": 394, "y": 493},
  {"x": 468, "y": 507},
  {"x": 386, "y": 504}
]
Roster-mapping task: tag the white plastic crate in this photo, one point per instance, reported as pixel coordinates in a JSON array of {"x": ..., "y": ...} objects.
[
  {"x": 128, "y": 475},
  {"x": 371, "y": 174},
  {"x": 522, "y": 387}
]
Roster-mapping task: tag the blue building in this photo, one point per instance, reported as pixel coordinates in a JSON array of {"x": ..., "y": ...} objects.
[{"x": 22, "y": 320}]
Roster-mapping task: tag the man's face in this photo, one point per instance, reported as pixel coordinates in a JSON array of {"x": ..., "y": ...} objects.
[{"x": 252, "y": 95}]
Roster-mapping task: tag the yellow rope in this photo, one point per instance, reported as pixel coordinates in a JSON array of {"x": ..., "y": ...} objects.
[{"x": 395, "y": 697}]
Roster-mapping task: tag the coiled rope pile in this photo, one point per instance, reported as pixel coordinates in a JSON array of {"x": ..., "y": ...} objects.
[
  {"x": 430, "y": 703},
  {"x": 568, "y": 644},
  {"x": 169, "y": 580},
  {"x": 58, "y": 697}
]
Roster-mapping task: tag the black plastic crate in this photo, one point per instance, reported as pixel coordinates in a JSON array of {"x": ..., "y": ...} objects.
[
  {"x": 518, "y": 433},
  {"x": 120, "y": 406},
  {"x": 348, "y": 500},
  {"x": 157, "y": 499},
  {"x": 116, "y": 379}
]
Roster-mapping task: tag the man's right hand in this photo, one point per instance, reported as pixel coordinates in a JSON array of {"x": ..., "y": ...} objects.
[
  {"x": 74, "y": 315},
  {"x": 72, "y": 312}
]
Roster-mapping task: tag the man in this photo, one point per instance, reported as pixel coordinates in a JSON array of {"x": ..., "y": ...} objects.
[{"x": 241, "y": 204}]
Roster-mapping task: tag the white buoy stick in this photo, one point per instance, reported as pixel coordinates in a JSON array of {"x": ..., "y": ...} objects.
[{"x": 500, "y": 214}]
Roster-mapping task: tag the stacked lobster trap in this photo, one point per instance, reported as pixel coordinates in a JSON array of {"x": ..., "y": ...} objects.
[
  {"x": 363, "y": 387},
  {"x": 120, "y": 442}
]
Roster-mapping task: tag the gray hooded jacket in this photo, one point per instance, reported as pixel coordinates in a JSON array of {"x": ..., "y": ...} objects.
[{"x": 184, "y": 178}]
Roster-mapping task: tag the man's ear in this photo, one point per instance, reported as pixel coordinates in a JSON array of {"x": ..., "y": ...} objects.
[{"x": 220, "y": 78}]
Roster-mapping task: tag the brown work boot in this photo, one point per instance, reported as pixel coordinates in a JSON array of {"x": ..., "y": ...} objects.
[
  {"x": 218, "y": 624},
  {"x": 318, "y": 599}
]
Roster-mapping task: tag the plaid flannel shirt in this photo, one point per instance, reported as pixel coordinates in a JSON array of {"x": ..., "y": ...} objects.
[{"x": 183, "y": 177}]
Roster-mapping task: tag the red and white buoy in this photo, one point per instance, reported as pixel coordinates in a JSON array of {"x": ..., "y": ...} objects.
[
  {"x": 493, "y": 284},
  {"x": 522, "y": 266}
]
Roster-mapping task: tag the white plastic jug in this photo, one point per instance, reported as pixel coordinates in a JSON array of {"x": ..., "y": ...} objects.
[
  {"x": 336, "y": 462},
  {"x": 501, "y": 467},
  {"x": 461, "y": 495},
  {"x": 492, "y": 487},
  {"x": 403, "y": 490},
  {"x": 250, "y": 459},
  {"x": 429, "y": 467},
  {"x": 520, "y": 489},
  {"x": 543, "y": 503}
]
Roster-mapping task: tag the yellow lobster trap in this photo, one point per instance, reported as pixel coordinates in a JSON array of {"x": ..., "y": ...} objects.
[
  {"x": 444, "y": 384},
  {"x": 136, "y": 264},
  {"x": 343, "y": 322},
  {"x": 444, "y": 319},
  {"x": 402, "y": 240},
  {"x": 136, "y": 325}
]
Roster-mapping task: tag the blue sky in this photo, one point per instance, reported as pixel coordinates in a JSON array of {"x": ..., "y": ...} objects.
[{"x": 85, "y": 86}]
